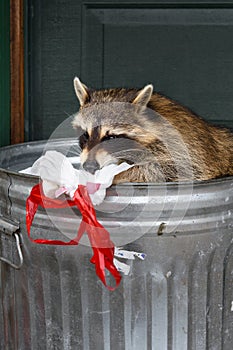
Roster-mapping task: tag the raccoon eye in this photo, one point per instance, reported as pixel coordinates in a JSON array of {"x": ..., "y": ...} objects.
[
  {"x": 109, "y": 137},
  {"x": 83, "y": 139},
  {"x": 86, "y": 135}
]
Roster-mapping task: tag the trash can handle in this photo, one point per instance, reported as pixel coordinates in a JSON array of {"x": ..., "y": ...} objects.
[
  {"x": 10, "y": 228},
  {"x": 19, "y": 250}
]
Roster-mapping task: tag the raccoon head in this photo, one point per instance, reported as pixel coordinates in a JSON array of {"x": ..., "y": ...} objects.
[{"x": 113, "y": 123}]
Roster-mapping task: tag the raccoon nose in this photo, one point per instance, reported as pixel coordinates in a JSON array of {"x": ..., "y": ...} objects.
[{"x": 91, "y": 166}]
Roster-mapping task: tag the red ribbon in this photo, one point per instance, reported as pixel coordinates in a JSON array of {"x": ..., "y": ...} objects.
[{"x": 103, "y": 247}]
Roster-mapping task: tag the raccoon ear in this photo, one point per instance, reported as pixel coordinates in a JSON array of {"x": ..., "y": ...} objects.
[
  {"x": 81, "y": 91},
  {"x": 144, "y": 95}
]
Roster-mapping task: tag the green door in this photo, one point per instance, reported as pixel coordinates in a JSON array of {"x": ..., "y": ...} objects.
[{"x": 185, "y": 50}]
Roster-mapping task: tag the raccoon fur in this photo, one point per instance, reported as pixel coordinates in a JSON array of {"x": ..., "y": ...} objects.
[{"x": 164, "y": 140}]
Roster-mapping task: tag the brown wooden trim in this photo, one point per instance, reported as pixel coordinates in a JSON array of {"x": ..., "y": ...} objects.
[{"x": 17, "y": 71}]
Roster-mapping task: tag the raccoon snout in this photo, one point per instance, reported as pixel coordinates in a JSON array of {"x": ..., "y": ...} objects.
[{"x": 91, "y": 166}]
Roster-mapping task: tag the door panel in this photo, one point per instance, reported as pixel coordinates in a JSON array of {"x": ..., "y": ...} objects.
[
  {"x": 186, "y": 53},
  {"x": 184, "y": 50}
]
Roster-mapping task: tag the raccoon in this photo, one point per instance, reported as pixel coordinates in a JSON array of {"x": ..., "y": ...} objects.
[{"x": 163, "y": 139}]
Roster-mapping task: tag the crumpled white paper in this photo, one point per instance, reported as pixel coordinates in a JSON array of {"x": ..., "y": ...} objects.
[{"x": 59, "y": 176}]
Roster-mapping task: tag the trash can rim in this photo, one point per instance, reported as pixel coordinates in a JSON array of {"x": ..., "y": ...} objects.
[{"x": 135, "y": 184}]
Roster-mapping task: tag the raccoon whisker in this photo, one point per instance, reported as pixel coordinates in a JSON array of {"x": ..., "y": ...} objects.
[
  {"x": 75, "y": 152},
  {"x": 75, "y": 148},
  {"x": 106, "y": 163},
  {"x": 125, "y": 151},
  {"x": 137, "y": 163},
  {"x": 142, "y": 163},
  {"x": 68, "y": 114},
  {"x": 134, "y": 155}
]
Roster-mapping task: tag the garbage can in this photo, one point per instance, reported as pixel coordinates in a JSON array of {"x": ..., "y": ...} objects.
[{"x": 180, "y": 297}]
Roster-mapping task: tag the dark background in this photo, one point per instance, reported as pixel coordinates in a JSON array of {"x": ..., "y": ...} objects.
[{"x": 184, "y": 49}]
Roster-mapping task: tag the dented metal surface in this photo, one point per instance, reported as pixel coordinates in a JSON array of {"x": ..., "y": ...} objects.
[{"x": 179, "y": 298}]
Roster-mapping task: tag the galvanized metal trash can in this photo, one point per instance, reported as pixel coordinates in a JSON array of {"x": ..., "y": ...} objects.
[{"x": 180, "y": 297}]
